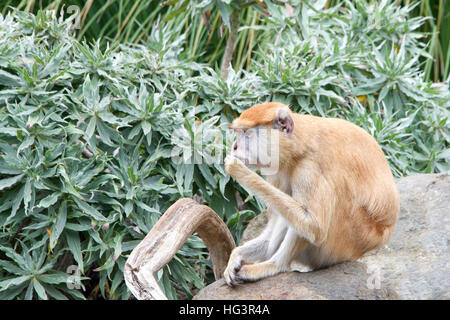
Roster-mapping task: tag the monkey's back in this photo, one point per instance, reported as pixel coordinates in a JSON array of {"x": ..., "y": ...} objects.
[{"x": 364, "y": 193}]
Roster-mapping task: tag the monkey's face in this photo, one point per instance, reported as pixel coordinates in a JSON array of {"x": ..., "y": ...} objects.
[
  {"x": 256, "y": 146},
  {"x": 262, "y": 132}
]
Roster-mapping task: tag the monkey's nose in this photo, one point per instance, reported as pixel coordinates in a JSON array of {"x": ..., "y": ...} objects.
[{"x": 235, "y": 146}]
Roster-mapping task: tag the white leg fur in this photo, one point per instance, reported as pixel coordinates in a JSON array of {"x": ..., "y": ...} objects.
[
  {"x": 255, "y": 250},
  {"x": 280, "y": 261}
]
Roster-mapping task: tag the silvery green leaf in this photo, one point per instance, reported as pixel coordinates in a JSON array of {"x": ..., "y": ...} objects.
[
  {"x": 26, "y": 143},
  {"x": 9, "y": 182},
  {"x": 146, "y": 127},
  {"x": 54, "y": 293},
  {"x": 27, "y": 195},
  {"x": 59, "y": 225},
  {"x": 225, "y": 11},
  {"x": 109, "y": 117},
  {"x": 89, "y": 210},
  {"x": 91, "y": 128},
  {"x": 10, "y": 131},
  {"x": 5, "y": 284},
  {"x": 39, "y": 289},
  {"x": 9, "y": 80},
  {"x": 73, "y": 242},
  {"x": 16, "y": 203},
  {"x": 11, "y": 268}
]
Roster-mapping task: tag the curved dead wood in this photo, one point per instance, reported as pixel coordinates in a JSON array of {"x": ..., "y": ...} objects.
[{"x": 167, "y": 236}]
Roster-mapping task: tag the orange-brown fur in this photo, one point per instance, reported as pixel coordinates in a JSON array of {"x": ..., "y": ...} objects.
[
  {"x": 259, "y": 114},
  {"x": 336, "y": 186}
]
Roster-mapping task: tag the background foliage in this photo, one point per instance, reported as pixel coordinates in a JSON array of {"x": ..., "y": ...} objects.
[
  {"x": 88, "y": 128},
  {"x": 206, "y": 23}
]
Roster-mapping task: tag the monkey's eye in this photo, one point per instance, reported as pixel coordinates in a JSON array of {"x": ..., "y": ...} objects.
[
  {"x": 241, "y": 131},
  {"x": 252, "y": 132}
]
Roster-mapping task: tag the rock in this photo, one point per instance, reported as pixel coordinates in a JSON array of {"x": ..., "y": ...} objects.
[
  {"x": 254, "y": 228},
  {"x": 413, "y": 265}
]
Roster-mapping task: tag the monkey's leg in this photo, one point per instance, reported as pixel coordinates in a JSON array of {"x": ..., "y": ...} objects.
[
  {"x": 258, "y": 249},
  {"x": 280, "y": 262}
]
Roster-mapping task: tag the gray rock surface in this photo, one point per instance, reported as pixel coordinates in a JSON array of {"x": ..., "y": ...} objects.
[{"x": 413, "y": 265}]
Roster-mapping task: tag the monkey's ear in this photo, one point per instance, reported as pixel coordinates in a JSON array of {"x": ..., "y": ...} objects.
[{"x": 283, "y": 121}]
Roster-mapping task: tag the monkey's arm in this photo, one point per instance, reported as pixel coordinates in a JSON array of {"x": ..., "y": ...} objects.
[{"x": 295, "y": 211}]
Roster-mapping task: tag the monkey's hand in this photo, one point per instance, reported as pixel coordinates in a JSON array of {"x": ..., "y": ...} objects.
[
  {"x": 242, "y": 174},
  {"x": 235, "y": 167}
]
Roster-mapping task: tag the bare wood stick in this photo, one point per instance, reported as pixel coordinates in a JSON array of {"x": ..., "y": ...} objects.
[{"x": 167, "y": 236}]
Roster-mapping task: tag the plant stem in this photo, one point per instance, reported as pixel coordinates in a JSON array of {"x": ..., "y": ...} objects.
[{"x": 229, "y": 49}]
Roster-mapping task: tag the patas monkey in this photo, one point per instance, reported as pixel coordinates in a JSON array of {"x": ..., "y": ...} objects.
[{"x": 332, "y": 199}]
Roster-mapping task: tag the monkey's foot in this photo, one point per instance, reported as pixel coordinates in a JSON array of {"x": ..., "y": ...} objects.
[{"x": 253, "y": 272}]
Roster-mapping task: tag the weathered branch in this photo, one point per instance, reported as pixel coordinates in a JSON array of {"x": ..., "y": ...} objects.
[{"x": 167, "y": 236}]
